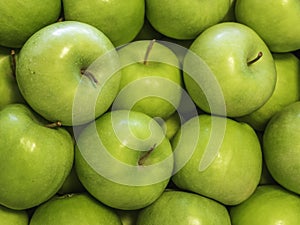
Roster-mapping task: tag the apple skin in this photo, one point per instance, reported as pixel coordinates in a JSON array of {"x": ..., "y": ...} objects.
[
  {"x": 37, "y": 159},
  {"x": 235, "y": 171},
  {"x": 287, "y": 91},
  {"x": 153, "y": 87},
  {"x": 119, "y": 20},
  {"x": 13, "y": 217},
  {"x": 108, "y": 154},
  {"x": 179, "y": 207},
  {"x": 269, "y": 205},
  {"x": 49, "y": 72},
  {"x": 9, "y": 89},
  {"x": 75, "y": 209},
  {"x": 281, "y": 147},
  {"x": 227, "y": 48},
  {"x": 276, "y": 22},
  {"x": 31, "y": 16},
  {"x": 184, "y": 19}
]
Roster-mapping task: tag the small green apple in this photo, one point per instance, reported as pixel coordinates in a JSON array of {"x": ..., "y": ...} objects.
[
  {"x": 9, "y": 90},
  {"x": 71, "y": 184},
  {"x": 240, "y": 61},
  {"x": 268, "y": 205},
  {"x": 235, "y": 171},
  {"x": 276, "y": 22},
  {"x": 124, "y": 159},
  {"x": 287, "y": 91},
  {"x": 13, "y": 217},
  {"x": 75, "y": 209},
  {"x": 68, "y": 79},
  {"x": 119, "y": 20},
  {"x": 22, "y": 18},
  {"x": 178, "y": 207},
  {"x": 281, "y": 147},
  {"x": 151, "y": 80},
  {"x": 35, "y": 157},
  {"x": 184, "y": 19},
  {"x": 128, "y": 217}
]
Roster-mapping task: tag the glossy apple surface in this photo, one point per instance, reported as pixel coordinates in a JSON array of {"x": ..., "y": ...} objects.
[
  {"x": 36, "y": 159},
  {"x": 287, "y": 91},
  {"x": 178, "y": 207},
  {"x": 235, "y": 170},
  {"x": 151, "y": 80},
  {"x": 231, "y": 50},
  {"x": 269, "y": 205},
  {"x": 75, "y": 209},
  {"x": 124, "y": 159},
  {"x": 184, "y": 19},
  {"x": 277, "y": 22},
  {"x": 281, "y": 147},
  {"x": 66, "y": 72},
  {"x": 119, "y": 20},
  {"x": 13, "y": 217},
  {"x": 22, "y": 18}
]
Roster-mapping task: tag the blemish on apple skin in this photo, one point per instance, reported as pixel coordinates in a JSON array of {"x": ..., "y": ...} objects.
[{"x": 146, "y": 155}]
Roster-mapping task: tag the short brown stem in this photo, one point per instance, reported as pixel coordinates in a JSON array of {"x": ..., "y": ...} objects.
[
  {"x": 54, "y": 124},
  {"x": 146, "y": 155},
  {"x": 150, "y": 46},
  {"x": 259, "y": 55},
  {"x": 89, "y": 75},
  {"x": 13, "y": 61}
]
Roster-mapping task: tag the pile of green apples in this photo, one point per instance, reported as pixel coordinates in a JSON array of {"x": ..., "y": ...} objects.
[{"x": 150, "y": 112}]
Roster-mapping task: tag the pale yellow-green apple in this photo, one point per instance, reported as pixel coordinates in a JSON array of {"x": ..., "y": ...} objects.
[
  {"x": 185, "y": 19},
  {"x": 179, "y": 207},
  {"x": 36, "y": 158},
  {"x": 268, "y": 205},
  {"x": 281, "y": 147},
  {"x": 233, "y": 174},
  {"x": 9, "y": 89},
  {"x": 75, "y": 209},
  {"x": 124, "y": 159},
  {"x": 22, "y": 18},
  {"x": 241, "y": 63},
  {"x": 119, "y": 20},
  {"x": 287, "y": 91},
  {"x": 151, "y": 80},
  {"x": 13, "y": 217},
  {"x": 275, "y": 21},
  {"x": 68, "y": 79}
]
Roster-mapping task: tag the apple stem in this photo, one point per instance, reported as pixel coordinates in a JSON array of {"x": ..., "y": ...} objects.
[
  {"x": 89, "y": 75},
  {"x": 259, "y": 55},
  {"x": 54, "y": 125},
  {"x": 146, "y": 155},
  {"x": 13, "y": 59},
  {"x": 148, "y": 51}
]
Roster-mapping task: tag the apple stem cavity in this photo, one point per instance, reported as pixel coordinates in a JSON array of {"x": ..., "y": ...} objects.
[
  {"x": 90, "y": 76},
  {"x": 54, "y": 125},
  {"x": 13, "y": 61},
  {"x": 150, "y": 46},
  {"x": 146, "y": 155},
  {"x": 259, "y": 55}
]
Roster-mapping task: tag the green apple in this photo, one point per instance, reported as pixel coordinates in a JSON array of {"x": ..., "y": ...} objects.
[
  {"x": 235, "y": 171},
  {"x": 35, "y": 157},
  {"x": 269, "y": 205},
  {"x": 22, "y": 18},
  {"x": 171, "y": 125},
  {"x": 13, "y": 217},
  {"x": 151, "y": 80},
  {"x": 287, "y": 91},
  {"x": 281, "y": 147},
  {"x": 178, "y": 207},
  {"x": 276, "y": 22},
  {"x": 71, "y": 184},
  {"x": 128, "y": 217},
  {"x": 75, "y": 209},
  {"x": 241, "y": 63},
  {"x": 230, "y": 15},
  {"x": 124, "y": 159},
  {"x": 119, "y": 20},
  {"x": 185, "y": 19},
  {"x": 68, "y": 79},
  {"x": 9, "y": 89}
]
